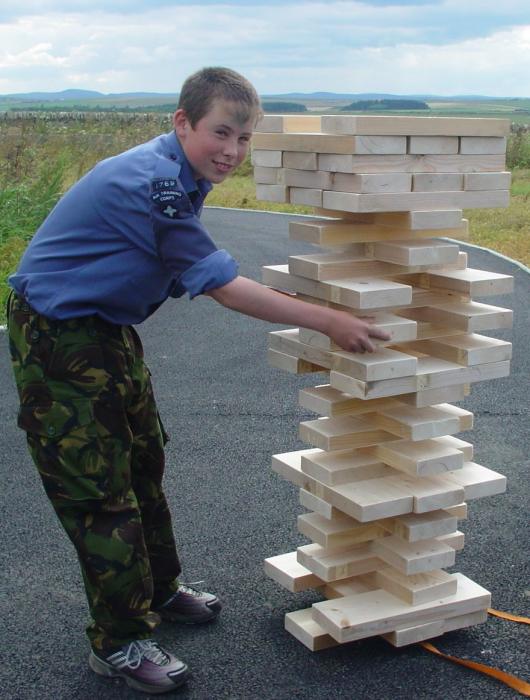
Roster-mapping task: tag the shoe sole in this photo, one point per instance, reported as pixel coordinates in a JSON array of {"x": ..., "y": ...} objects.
[
  {"x": 211, "y": 614},
  {"x": 102, "y": 668}
]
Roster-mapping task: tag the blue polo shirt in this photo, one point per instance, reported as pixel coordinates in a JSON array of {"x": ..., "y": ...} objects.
[{"x": 123, "y": 239}]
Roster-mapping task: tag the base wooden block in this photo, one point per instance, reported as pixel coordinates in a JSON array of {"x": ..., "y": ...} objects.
[
  {"x": 420, "y": 633},
  {"x": 285, "y": 570},
  {"x": 302, "y": 626},
  {"x": 379, "y": 612}
]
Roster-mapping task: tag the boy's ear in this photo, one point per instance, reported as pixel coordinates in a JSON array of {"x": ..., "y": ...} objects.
[{"x": 181, "y": 123}]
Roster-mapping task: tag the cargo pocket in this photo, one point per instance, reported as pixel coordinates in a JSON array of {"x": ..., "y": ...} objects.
[{"x": 57, "y": 418}]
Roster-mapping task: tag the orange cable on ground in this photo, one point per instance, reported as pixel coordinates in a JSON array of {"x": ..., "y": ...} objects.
[
  {"x": 509, "y": 616},
  {"x": 512, "y": 681}
]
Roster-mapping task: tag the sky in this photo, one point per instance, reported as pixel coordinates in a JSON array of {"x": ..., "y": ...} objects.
[{"x": 442, "y": 47}]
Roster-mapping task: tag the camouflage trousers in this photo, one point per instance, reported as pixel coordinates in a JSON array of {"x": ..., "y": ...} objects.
[{"x": 94, "y": 433}]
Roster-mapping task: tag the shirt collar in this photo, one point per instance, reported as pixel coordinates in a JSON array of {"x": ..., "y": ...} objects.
[{"x": 186, "y": 177}]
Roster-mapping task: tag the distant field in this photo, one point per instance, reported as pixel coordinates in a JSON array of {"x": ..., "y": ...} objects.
[{"x": 40, "y": 157}]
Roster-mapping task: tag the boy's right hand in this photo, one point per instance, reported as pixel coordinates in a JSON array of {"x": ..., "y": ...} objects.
[{"x": 352, "y": 333}]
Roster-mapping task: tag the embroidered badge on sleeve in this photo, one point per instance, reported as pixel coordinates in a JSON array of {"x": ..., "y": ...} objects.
[{"x": 168, "y": 198}]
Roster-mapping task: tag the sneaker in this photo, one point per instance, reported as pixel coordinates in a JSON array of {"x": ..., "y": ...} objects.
[
  {"x": 190, "y": 606},
  {"x": 144, "y": 665}
]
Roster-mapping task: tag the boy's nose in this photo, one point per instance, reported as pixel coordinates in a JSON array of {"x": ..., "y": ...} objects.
[{"x": 230, "y": 148}]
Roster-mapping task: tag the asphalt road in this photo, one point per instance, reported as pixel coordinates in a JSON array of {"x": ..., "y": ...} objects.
[{"x": 227, "y": 413}]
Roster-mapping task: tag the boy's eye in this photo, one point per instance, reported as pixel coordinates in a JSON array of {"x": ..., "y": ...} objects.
[
  {"x": 244, "y": 139},
  {"x": 221, "y": 132}
]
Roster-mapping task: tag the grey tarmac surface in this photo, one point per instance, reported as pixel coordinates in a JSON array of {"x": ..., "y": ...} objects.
[{"x": 227, "y": 412}]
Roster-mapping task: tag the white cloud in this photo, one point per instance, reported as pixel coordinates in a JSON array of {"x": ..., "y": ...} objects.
[{"x": 338, "y": 46}]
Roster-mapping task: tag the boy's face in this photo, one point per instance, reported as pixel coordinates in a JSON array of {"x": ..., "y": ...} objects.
[{"x": 218, "y": 143}]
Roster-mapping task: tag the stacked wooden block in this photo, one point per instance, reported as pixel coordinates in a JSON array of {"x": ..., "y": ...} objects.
[{"x": 386, "y": 481}]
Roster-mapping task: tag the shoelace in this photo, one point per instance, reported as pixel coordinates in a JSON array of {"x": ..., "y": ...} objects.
[
  {"x": 147, "y": 648},
  {"x": 189, "y": 588}
]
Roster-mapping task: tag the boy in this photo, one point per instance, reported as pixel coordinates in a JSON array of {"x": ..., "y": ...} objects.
[{"x": 119, "y": 243}]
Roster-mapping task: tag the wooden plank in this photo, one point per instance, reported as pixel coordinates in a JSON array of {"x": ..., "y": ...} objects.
[
  {"x": 318, "y": 505},
  {"x": 300, "y": 161},
  {"x": 330, "y": 402},
  {"x": 411, "y": 163},
  {"x": 343, "y": 467},
  {"x": 301, "y": 625},
  {"x": 268, "y": 176},
  {"x": 267, "y": 159},
  {"x": 421, "y": 526},
  {"x": 318, "y": 179},
  {"x": 287, "y": 465},
  {"x": 411, "y": 252},
  {"x": 480, "y": 199},
  {"x": 429, "y": 492},
  {"x": 369, "y": 183},
  {"x": 482, "y": 145},
  {"x": 469, "y": 317},
  {"x": 416, "y": 220},
  {"x": 413, "y": 557},
  {"x": 466, "y": 448},
  {"x": 305, "y": 195},
  {"x": 337, "y": 532},
  {"x": 487, "y": 181},
  {"x": 288, "y": 123},
  {"x": 419, "y": 633},
  {"x": 285, "y": 570},
  {"x": 477, "y": 481},
  {"x": 333, "y": 565},
  {"x": 292, "y": 364},
  {"x": 345, "y": 432},
  {"x": 378, "y": 612},
  {"x": 433, "y": 145},
  {"x": 272, "y": 193},
  {"x": 341, "y": 232},
  {"x": 407, "y": 126},
  {"x": 362, "y": 294},
  {"x": 465, "y": 349},
  {"x": 429, "y": 397},
  {"x": 425, "y": 458},
  {"x": 416, "y": 589},
  {"x": 439, "y": 182},
  {"x": 331, "y": 143},
  {"x": 417, "y": 424},
  {"x": 472, "y": 282}
]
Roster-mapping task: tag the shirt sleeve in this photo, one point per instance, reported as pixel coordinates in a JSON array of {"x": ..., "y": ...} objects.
[{"x": 184, "y": 245}]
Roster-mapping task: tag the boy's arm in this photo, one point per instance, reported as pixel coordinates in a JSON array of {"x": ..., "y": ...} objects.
[{"x": 254, "y": 299}]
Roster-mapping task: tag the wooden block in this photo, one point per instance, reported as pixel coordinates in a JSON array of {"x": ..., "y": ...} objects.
[
  {"x": 378, "y": 612},
  {"x": 455, "y": 540},
  {"x": 341, "y": 232},
  {"x": 439, "y": 182},
  {"x": 267, "y": 159},
  {"x": 330, "y": 266},
  {"x": 318, "y": 505},
  {"x": 287, "y": 465},
  {"x": 472, "y": 349},
  {"x": 429, "y": 397},
  {"x": 421, "y": 526},
  {"x": 472, "y": 282},
  {"x": 289, "y": 363},
  {"x": 419, "y": 633},
  {"x": 433, "y": 145},
  {"x": 425, "y": 458},
  {"x": 362, "y": 294},
  {"x": 470, "y": 316},
  {"x": 411, "y": 163},
  {"x": 285, "y": 570},
  {"x": 416, "y": 589},
  {"x": 413, "y": 557},
  {"x": 373, "y": 499},
  {"x": 477, "y": 481},
  {"x": 337, "y": 532},
  {"x": 366, "y": 183},
  {"x": 302, "y": 626},
  {"x": 430, "y": 493},
  {"x": 300, "y": 161},
  {"x": 288, "y": 123},
  {"x": 331, "y": 143},
  {"x": 343, "y": 467},
  {"x": 345, "y": 432},
  {"x": 348, "y": 201},
  {"x": 417, "y": 126},
  {"x": 333, "y": 565},
  {"x": 318, "y": 179},
  {"x": 304, "y": 195},
  {"x": 465, "y": 418},
  {"x": 348, "y": 586},
  {"x": 487, "y": 181},
  {"x": 482, "y": 145},
  {"x": 459, "y": 511},
  {"x": 408, "y": 253},
  {"x": 466, "y": 448},
  {"x": 416, "y": 424},
  {"x": 327, "y": 401},
  {"x": 268, "y": 176},
  {"x": 419, "y": 220},
  {"x": 383, "y": 363},
  {"x": 272, "y": 193}
]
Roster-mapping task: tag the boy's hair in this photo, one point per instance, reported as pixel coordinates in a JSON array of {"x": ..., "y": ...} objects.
[{"x": 208, "y": 84}]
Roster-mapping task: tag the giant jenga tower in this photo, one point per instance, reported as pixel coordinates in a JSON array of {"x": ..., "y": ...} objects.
[{"x": 385, "y": 480}]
